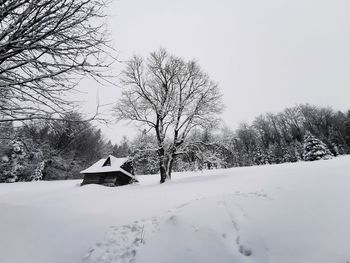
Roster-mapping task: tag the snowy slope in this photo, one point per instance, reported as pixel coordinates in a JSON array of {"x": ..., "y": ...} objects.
[{"x": 279, "y": 213}]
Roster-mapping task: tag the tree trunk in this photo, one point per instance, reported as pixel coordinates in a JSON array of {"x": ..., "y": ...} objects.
[
  {"x": 170, "y": 165},
  {"x": 164, "y": 176}
]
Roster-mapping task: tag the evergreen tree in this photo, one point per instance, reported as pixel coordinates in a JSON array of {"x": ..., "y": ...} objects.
[{"x": 315, "y": 149}]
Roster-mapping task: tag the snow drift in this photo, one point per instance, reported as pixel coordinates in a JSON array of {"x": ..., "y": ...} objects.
[{"x": 279, "y": 213}]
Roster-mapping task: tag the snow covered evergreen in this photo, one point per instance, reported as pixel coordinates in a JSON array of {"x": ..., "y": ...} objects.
[{"x": 315, "y": 149}]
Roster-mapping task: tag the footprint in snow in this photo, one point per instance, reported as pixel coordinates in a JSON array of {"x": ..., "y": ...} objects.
[
  {"x": 121, "y": 243},
  {"x": 243, "y": 249}
]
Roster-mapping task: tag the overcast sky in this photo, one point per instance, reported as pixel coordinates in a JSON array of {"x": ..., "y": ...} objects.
[{"x": 265, "y": 54}]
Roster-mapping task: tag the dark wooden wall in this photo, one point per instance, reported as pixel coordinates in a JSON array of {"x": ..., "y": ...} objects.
[{"x": 110, "y": 178}]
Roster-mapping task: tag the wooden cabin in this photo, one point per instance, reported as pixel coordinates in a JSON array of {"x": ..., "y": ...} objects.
[{"x": 111, "y": 171}]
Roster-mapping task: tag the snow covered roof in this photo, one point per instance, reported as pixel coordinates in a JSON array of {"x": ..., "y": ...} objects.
[{"x": 110, "y": 164}]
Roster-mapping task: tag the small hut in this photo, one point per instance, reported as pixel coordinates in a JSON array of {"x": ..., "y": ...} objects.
[{"x": 111, "y": 171}]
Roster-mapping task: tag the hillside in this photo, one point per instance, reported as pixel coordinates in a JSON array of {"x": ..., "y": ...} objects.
[{"x": 279, "y": 213}]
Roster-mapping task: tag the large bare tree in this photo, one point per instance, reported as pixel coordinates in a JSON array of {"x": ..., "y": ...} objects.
[
  {"x": 170, "y": 96},
  {"x": 46, "y": 47}
]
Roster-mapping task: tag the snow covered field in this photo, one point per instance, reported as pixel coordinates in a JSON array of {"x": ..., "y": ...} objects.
[{"x": 280, "y": 213}]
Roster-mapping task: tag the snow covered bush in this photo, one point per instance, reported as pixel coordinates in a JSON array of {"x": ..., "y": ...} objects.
[
  {"x": 144, "y": 152},
  {"x": 315, "y": 149},
  {"x": 5, "y": 152},
  {"x": 21, "y": 163},
  {"x": 260, "y": 157},
  {"x": 38, "y": 172}
]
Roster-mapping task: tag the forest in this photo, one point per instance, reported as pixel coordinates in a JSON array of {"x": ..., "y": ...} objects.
[{"x": 56, "y": 149}]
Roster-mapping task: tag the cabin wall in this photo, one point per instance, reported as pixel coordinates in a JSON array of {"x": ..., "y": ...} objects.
[
  {"x": 110, "y": 178},
  {"x": 123, "y": 179},
  {"x": 128, "y": 166}
]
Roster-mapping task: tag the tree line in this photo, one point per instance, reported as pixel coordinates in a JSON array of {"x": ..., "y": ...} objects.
[
  {"x": 56, "y": 149},
  {"x": 269, "y": 139},
  {"x": 49, "y": 149}
]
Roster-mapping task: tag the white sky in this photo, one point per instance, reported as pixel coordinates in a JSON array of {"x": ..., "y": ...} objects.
[{"x": 266, "y": 55}]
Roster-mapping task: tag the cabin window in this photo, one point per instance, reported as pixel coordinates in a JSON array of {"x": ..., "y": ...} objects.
[{"x": 107, "y": 162}]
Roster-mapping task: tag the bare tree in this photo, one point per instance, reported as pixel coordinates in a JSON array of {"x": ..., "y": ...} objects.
[
  {"x": 46, "y": 46},
  {"x": 171, "y": 97}
]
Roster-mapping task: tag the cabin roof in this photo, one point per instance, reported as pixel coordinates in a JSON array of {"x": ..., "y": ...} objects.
[{"x": 110, "y": 164}]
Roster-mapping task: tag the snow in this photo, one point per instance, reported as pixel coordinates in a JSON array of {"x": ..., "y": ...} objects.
[
  {"x": 98, "y": 167},
  {"x": 274, "y": 213}
]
